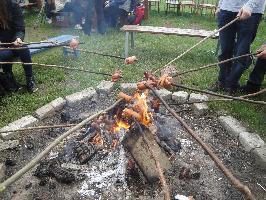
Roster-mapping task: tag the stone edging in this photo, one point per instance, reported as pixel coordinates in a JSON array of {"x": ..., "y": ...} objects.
[{"x": 251, "y": 142}]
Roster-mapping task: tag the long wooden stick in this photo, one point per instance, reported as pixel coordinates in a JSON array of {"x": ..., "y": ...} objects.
[
  {"x": 235, "y": 182},
  {"x": 39, "y": 128},
  {"x": 254, "y": 94},
  {"x": 213, "y": 64},
  {"x": 28, "y": 43},
  {"x": 220, "y": 95},
  {"x": 58, "y": 66},
  {"x": 38, "y": 158},
  {"x": 27, "y": 47},
  {"x": 198, "y": 43},
  {"x": 98, "y": 53},
  {"x": 166, "y": 190}
]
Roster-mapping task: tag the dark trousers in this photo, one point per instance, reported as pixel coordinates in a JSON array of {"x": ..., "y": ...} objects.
[
  {"x": 9, "y": 55},
  {"x": 98, "y": 5},
  {"x": 235, "y": 41},
  {"x": 257, "y": 75},
  {"x": 77, "y": 10}
]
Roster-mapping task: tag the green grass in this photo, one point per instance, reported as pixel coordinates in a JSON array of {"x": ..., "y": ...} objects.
[{"x": 152, "y": 51}]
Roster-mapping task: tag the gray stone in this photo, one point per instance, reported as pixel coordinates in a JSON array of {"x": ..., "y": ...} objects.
[
  {"x": 58, "y": 104},
  {"x": 45, "y": 111},
  {"x": 105, "y": 87},
  {"x": 232, "y": 125},
  {"x": 250, "y": 141},
  {"x": 180, "y": 96},
  {"x": 2, "y": 172},
  {"x": 77, "y": 97},
  {"x": 10, "y": 144},
  {"x": 23, "y": 122},
  {"x": 260, "y": 157},
  {"x": 165, "y": 94},
  {"x": 128, "y": 87},
  {"x": 143, "y": 156},
  {"x": 197, "y": 97},
  {"x": 200, "y": 108}
]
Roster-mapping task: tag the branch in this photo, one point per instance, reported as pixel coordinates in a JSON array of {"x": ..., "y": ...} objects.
[
  {"x": 254, "y": 94},
  {"x": 197, "y": 44},
  {"x": 58, "y": 66},
  {"x": 236, "y": 183},
  {"x": 166, "y": 190},
  {"x": 38, "y": 158},
  {"x": 220, "y": 95}
]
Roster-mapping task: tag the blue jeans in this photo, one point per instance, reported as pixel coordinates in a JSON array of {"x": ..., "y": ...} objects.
[
  {"x": 257, "y": 75},
  {"x": 9, "y": 55},
  {"x": 235, "y": 41},
  {"x": 98, "y": 5}
]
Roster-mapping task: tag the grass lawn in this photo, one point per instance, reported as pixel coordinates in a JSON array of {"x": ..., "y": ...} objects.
[{"x": 152, "y": 50}]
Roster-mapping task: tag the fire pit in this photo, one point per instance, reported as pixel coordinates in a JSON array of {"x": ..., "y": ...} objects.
[{"x": 109, "y": 158}]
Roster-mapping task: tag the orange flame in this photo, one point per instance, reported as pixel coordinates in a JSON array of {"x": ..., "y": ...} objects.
[{"x": 119, "y": 124}]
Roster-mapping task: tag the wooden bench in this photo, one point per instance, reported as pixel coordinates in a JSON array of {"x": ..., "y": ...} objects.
[{"x": 161, "y": 30}]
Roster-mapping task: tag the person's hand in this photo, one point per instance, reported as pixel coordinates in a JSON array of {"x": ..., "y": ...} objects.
[
  {"x": 262, "y": 52},
  {"x": 74, "y": 44},
  {"x": 244, "y": 13},
  {"x": 18, "y": 42}
]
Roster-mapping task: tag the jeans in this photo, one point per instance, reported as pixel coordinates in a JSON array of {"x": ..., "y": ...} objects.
[
  {"x": 98, "y": 5},
  {"x": 257, "y": 75},
  {"x": 235, "y": 41},
  {"x": 77, "y": 10},
  {"x": 9, "y": 55}
]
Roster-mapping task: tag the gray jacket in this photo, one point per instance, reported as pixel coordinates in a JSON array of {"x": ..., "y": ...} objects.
[{"x": 255, "y": 6}]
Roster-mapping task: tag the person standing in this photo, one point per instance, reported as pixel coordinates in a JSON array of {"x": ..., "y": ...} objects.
[
  {"x": 12, "y": 30},
  {"x": 236, "y": 39},
  {"x": 257, "y": 75}
]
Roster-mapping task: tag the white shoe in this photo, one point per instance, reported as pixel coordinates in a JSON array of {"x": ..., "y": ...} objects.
[{"x": 78, "y": 27}]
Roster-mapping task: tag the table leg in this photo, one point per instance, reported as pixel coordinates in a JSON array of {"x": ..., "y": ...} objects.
[
  {"x": 126, "y": 44},
  {"x": 132, "y": 40}
]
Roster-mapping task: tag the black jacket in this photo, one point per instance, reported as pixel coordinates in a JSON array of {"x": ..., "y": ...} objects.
[{"x": 15, "y": 22}]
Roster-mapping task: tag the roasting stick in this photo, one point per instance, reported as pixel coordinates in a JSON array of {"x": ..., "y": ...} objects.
[
  {"x": 166, "y": 189},
  {"x": 39, "y": 128},
  {"x": 38, "y": 158},
  {"x": 220, "y": 95},
  {"x": 254, "y": 94},
  {"x": 28, "y": 43},
  {"x": 214, "y": 64},
  {"x": 98, "y": 53},
  {"x": 236, "y": 183},
  {"x": 58, "y": 66},
  {"x": 197, "y": 44}
]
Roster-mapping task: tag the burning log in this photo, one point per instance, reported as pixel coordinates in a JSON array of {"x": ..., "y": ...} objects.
[{"x": 130, "y": 60}]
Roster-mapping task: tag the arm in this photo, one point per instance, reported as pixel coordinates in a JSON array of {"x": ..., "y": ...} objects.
[
  {"x": 246, "y": 11},
  {"x": 262, "y": 52},
  {"x": 17, "y": 22}
]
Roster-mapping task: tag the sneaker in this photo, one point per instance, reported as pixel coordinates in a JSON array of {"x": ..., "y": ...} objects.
[
  {"x": 31, "y": 85},
  {"x": 217, "y": 86},
  {"x": 78, "y": 27},
  {"x": 249, "y": 88}
]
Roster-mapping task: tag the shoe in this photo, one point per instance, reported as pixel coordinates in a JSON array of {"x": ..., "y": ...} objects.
[
  {"x": 12, "y": 85},
  {"x": 231, "y": 91},
  {"x": 250, "y": 88},
  {"x": 78, "y": 27},
  {"x": 217, "y": 86},
  {"x": 31, "y": 85}
]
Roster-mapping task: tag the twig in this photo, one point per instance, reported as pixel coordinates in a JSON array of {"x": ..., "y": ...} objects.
[
  {"x": 39, "y": 128},
  {"x": 254, "y": 94},
  {"x": 206, "y": 101},
  {"x": 236, "y": 183},
  {"x": 213, "y": 64},
  {"x": 166, "y": 190},
  {"x": 35, "y": 47},
  {"x": 98, "y": 53},
  {"x": 220, "y": 95},
  {"x": 38, "y": 158},
  {"x": 261, "y": 187},
  {"x": 58, "y": 66},
  {"x": 197, "y": 44},
  {"x": 29, "y": 43}
]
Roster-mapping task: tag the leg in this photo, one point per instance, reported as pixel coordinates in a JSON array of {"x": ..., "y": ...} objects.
[
  {"x": 88, "y": 16},
  {"x": 246, "y": 34},
  {"x": 100, "y": 16},
  {"x": 227, "y": 41},
  {"x": 257, "y": 75},
  {"x": 126, "y": 44}
]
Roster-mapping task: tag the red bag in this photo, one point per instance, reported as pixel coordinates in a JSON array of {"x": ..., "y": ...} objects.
[{"x": 139, "y": 12}]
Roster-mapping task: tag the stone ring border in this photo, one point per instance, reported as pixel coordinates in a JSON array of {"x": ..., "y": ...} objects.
[{"x": 250, "y": 142}]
